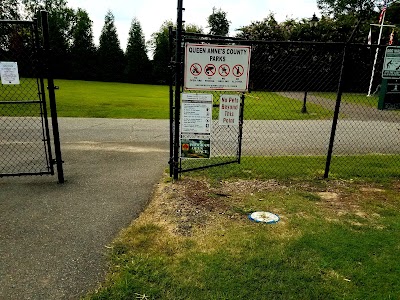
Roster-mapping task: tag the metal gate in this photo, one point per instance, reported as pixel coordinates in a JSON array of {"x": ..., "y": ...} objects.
[
  {"x": 225, "y": 144},
  {"x": 25, "y": 143}
]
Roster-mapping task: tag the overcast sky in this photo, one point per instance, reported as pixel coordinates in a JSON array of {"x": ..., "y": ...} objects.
[{"x": 152, "y": 13}]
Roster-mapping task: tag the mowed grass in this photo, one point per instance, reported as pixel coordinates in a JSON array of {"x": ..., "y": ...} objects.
[
  {"x": 337, "y": 239},
  {"x": 122, "y": 100},
  {"x": 361, "y": 99},
  {"x": 352, "y": 167},
  {"x": 112, "y": 100}
]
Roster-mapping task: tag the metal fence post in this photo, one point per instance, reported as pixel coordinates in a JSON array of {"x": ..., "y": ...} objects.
[
  {"x": 240, "y": 137},
  {"x": 52, "y": 97},
  {"x": 171, "y": 104},
  {"x": 338, "y": 101},
  {"x": 178, "y": 75},
  {"x": 336, "y": 114}
]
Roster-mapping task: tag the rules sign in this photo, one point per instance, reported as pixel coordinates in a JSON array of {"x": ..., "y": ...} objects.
[
  {"x": 217, "y": 67},
  {"x": 391, "y": 65}
]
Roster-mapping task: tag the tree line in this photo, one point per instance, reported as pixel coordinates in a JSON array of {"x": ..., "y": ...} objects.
[{"x": 75, "y": 56}]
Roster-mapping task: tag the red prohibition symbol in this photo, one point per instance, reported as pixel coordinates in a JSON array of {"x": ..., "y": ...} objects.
[
  {"x": 238, "y": 70},
  {"x": 224, "y": 70},
  {"x": 210, "y": 70},
  {"x": 195, "y": 69}
]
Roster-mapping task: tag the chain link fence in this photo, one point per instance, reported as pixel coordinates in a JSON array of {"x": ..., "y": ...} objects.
[
  {"x": 289, "y": 111},
  {"x": 24, "y": 133}
]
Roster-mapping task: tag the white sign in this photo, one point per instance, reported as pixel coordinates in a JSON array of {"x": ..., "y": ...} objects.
[
  {"x": 229, "y": 110},
  {"x": 9, "y": 72},
  {"x": 217, "y": 67},
  {"x": 196, "y": 113},
  {"x": 391, "y": 65}
]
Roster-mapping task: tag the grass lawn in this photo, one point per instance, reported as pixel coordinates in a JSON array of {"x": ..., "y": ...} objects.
[
  {"x": 337, "y": 239},
  {"x": 120, "y": 100},
  {"x": 111, "y": 100},
  {"x": 361, "y": 99}
]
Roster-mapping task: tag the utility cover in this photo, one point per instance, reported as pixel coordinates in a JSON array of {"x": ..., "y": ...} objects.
[{"x": 264, "y": 217}]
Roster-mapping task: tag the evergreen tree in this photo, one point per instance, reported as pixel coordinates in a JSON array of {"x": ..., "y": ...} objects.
[
  {"x": 83, "y": 50},
  {"x": 138, "y": 67},
  {"x": 218, "y": 23},
  {"x": 111, "y": 57},
  {"x": 161, "y": 53}
]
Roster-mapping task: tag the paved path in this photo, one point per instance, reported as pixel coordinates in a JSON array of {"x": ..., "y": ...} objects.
[
  {"x": 53, "y": 237},
  {"x": 349, "y": 110}
]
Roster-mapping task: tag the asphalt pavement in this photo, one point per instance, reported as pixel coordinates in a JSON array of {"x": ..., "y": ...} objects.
[{"x": 53, "y": 237}]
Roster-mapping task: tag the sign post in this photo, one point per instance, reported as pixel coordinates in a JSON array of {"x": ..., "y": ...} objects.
[{"x": 217, "y": 67}]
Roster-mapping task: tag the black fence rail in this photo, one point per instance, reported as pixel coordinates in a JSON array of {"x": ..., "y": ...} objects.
[{"x": 289, "y": 110}]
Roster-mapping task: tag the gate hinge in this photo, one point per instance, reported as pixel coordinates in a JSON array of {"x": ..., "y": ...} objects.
[{"x": 56, "y": 87}]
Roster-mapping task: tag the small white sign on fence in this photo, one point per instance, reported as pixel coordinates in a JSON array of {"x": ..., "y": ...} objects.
[{"x": 9, "y": 72}]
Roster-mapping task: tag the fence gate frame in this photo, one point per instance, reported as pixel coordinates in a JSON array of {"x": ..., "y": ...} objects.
[
  {"x": 43, "y": 56},
  {"x": 177, "y": 39}
]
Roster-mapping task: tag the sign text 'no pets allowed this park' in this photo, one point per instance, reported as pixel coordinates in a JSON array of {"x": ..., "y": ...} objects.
[{"x": 217, "y": 67}]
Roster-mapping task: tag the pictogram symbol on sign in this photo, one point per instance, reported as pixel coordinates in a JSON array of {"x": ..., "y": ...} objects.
[
  {"x": 210, "y": 70},
  {"x": 195, "y": 69},
  {"x": 238, "y": 70},
  {"x": 224, "y": 70}
]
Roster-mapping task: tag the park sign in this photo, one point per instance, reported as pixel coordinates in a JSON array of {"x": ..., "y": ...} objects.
[
  {"x": 391, "y": 64},
  {"x": 217, "y": 67}
]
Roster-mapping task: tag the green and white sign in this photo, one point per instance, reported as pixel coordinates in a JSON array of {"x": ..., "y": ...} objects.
[
  {"x": 391, "y": 65},
  {"x": 196, "y": 120}
]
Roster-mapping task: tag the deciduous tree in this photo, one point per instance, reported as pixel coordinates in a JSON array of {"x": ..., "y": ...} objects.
[
  {"x": 343, "y": 7},
  {"x": 218, "y": 23},
  {"x": 10, "y": 9},
  {"x": 61, "y": 20}
]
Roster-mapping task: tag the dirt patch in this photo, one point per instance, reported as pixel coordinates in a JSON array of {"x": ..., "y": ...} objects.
[
  {"x": 328, "y": 196},
  {"x": 371, "y": 189},
  {"x": 193, "y": 203}
]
